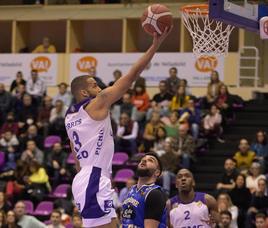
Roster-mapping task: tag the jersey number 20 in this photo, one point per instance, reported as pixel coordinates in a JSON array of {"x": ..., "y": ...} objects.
[{"x": 77, "y": 146}]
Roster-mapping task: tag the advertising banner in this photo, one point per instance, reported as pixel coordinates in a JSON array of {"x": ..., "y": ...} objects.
[
  {"x": 195, "y": 70},
  {"x": 45, "y": 64}
]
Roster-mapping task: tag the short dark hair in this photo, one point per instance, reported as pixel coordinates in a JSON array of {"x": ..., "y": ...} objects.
[
  {"x": 226, "y": 213},
  {"x": 157, "y": 158},
  {"x": 34, "y": 71},
  {"x": 260, "y": 215},
  {"x": 78, "y": 83},
  {"x": 56, "y": 211},
  {"x": 173, "y": 68}
]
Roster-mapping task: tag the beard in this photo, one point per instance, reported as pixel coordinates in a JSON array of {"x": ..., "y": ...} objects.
[{"x": 144, "y": 172}]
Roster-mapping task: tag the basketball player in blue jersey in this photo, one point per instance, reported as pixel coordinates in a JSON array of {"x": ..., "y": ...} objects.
[
  {"x": 190, "y": 209},
  {"x": 89, "y": 129},
  {"x": 145, "y": 205}
]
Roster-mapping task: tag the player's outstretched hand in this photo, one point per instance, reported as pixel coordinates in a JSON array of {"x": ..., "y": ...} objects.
[{"x": 158, "y": 39}]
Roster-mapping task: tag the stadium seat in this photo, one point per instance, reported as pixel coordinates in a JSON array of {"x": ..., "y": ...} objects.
[
  {"x": 51, "y": 140},
  {"x": 44, "y": 208},
  {"x": 123, "y": 175},
  {"x": 120, "y": 158},
  {"x": 61, "y": 191},
  {"x": 29, "y": 207}
]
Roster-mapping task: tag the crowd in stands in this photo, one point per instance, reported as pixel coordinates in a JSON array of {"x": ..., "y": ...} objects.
[{"x": 173, "y": 123}]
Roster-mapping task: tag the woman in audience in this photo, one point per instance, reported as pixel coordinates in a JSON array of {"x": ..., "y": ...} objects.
[
  {"x": 141, "y": 101},
  {"x": 159, "y": 143},
  {"x": 212, "y": 123},
  {"x": 260, "y": 146},
  {"x": 172, "y": 124},
  {"x": 224, "y": 102},
  {"x": 10, "y": 124},
  {"x": 213, "y": 88},
  {"x": 180, "y": 100},
  {"x": 38, "y": 184},
  {"x": 11, "y": 220},
  {"x": 4, "y": 205},
  {"x": 2, "y": 218},
  {"x": 253, "y": 178},
  {"x": 225, "y": 203},
  {"x": 241, "y": 197},
  {"x": 18, "y": 81}
]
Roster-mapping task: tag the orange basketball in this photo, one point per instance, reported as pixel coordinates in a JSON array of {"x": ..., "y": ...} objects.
[{"x": 156, "y": 18}]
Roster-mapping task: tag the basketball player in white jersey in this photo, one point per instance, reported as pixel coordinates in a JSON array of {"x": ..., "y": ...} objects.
[
  {"x": 89, "y": 129},
  {"x": 190, "y": 209}
]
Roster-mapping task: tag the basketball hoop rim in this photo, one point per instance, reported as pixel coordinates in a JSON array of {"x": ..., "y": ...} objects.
[{"x": 201, "y": 9}]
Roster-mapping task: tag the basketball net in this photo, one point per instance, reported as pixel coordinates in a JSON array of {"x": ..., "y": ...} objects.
[{"x": 210, "y": 37}]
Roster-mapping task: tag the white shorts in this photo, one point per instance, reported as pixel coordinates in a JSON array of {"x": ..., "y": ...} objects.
[{"x": 93, "y": 196}]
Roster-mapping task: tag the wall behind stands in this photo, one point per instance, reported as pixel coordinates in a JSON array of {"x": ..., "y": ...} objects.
[{"x": 108, "y": 28}]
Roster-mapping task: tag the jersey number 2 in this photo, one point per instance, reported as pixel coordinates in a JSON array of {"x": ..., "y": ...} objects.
[
  {"x": 187, "y": 215},
  {"x": 78, "y": 145}
]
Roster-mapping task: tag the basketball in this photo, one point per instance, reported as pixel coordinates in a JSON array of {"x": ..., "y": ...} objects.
[{"x": 156, "y": 18}]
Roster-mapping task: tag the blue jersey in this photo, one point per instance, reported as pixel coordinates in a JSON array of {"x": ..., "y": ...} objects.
[{"x": 134, "y": 207}]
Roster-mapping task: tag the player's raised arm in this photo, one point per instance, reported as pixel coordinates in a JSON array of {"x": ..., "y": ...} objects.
[{"x": 111, "y": 94}]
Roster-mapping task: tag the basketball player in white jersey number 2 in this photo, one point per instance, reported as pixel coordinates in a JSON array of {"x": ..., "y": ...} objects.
[
  {"x": 89, "y": 129},
  {"x": 190, "y": 209}
]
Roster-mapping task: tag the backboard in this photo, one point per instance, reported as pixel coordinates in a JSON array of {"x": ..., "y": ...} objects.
[{"x": 242, "y": 14}]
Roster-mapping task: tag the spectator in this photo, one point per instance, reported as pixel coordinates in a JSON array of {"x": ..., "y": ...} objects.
[
  {"x": 4, "y": 205},
  {"x": 225, "y": 219},
  {"x": 10, "y": 125},
  {"x": 170, "y": 163},
  {"x": 213, "y": 87},
  {"x": 260, "y": 220},
  {"x": 244, "y": 157},
  {"x": 161, "y": 136},
  {"x": 92, "y": 73},
  {"x": 184, "y": 83},
  {"x": 227, "y": 182},
  {"x": 56, "y": 120},
  {"x": 172, "y": 124},
  {"x": 63, "y": 95},
  {"x": 140, "y": 82},
  {"x": 212, "y": 123},
  {"x": 55, "y": 219},
  {"x": 8, "y": 140},
  {"x": 5, "y": 103},
  {"x": 32, "y": 153},
  {"x": 162, "y": 99},
  {"x": 26, "y": 220},
  {"x": 259, "y": 202},
  {"x": 255, "y": 175},
  {"x": 38, "y": 184},
  {"x": 31, "y": 134},
  {"x": 224, "y": 102},
  {"x": 117, "y": 74},
  {"x": 45, "y": 47},
  {"x": 225, "y": 203},
  {"x": 18, "y": 81},
  {"x": 11, "y": 221},
  {"x": 65, "y": 205},
  {"x": 173, "y": 81},
  {"x": 27, "y": 113},
  {"x": 44, "y": 115},
  {"x": 124, "y": 191},
  {"x": 56, "y": 164},
  {"x": 180, "y": 100},
  {"x": 36, "y": 87},
  {"x": 77, "y": 221},
  {"x": 21, "y": 90},
  {"x": 150, "y": 131},
  {"x": 128, "y": 107},
  {"x": 16, "y": 184},
  {"x": 2, "y": 218},
  {"x": 241, "y": 197},
  {"x": 126, "y": 135},
  {"x": 194, "y": 117},
  {"x": 186, "y": 146},
  {"x": 141, "y": 101},
  {"x": 260, "y": 147}
]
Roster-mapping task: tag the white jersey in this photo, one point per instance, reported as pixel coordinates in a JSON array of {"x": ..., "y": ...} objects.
[
  {"x": 92, "y": 140},
  {"x": 190, "y": 215}
]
